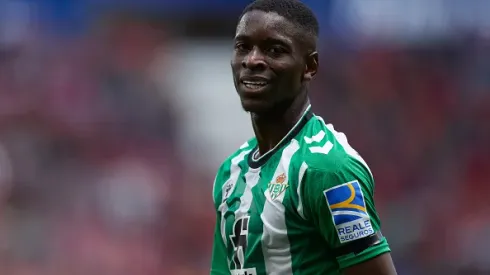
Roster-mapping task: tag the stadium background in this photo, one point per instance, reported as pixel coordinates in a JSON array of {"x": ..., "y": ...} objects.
[{"x": 114, "y": 116}]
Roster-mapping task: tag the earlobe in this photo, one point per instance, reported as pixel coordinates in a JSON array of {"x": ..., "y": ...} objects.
[{"x": 307, "y": 75}]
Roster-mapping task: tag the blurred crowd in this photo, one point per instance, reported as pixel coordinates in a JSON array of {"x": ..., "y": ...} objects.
[
  {"x": 420, "y": 116},
  {"x": 89, "y": 176},
  {"x": 91, "y": 181}
]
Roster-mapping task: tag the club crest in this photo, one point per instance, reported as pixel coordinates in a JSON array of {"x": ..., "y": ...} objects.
[{"x": 278, "y": 186}]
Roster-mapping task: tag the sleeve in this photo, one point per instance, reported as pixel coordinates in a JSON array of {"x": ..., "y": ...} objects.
[
  {"x": 219, "y": 262},
  {"x": 340, "y": 204}
]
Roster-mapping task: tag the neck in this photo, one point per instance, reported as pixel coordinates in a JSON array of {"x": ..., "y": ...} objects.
[{"x": 272, "y": 127}]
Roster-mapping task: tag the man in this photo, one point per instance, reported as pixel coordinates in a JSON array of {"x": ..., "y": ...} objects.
[{"x": 296, "y": 199}]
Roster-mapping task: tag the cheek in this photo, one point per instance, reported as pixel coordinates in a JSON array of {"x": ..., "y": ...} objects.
[
  {"x": 290, "y": 85},
  {"x": 294, "y": 78},
  {"x": 235, "y": 63},
  {"x": 235, "y": 70}
]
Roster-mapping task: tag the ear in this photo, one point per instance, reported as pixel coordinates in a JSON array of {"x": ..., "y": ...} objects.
[{"x": 311, "y": 67}]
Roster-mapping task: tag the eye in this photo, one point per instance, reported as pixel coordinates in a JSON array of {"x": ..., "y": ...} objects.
[
  {"x": 241, "y": 47},
  {"x": 276, "y": 50}
]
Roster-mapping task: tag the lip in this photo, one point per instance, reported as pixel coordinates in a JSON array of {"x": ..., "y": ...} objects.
[
  {"x": 253, "y": 92},
  {"x": 256, "y": 78}
]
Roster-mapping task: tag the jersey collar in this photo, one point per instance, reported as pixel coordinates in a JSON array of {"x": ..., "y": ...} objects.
[{"x": 256, "y": 162}]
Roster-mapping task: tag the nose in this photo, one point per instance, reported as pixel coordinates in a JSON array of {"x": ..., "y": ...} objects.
[{"x": 254, "y": 60}]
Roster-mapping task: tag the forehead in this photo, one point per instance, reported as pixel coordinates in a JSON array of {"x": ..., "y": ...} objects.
[{"x": 266, "y": 25}]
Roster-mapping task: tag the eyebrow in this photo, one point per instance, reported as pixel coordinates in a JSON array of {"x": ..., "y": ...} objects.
[{"x": 269, "y": 40}]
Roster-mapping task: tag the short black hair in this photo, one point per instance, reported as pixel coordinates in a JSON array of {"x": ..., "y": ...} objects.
[{"x": 293, "y": 10}]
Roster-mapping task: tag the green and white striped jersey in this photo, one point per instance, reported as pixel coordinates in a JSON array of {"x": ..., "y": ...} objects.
[{"x": 305, "y": 207}]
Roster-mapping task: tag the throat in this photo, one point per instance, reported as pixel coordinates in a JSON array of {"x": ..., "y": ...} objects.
[
  {"x": 276, "y": 139},
  {"x": 270, "y": 130}
]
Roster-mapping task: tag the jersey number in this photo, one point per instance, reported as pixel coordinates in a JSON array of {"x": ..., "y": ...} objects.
[{"x": 239, "y": 241}]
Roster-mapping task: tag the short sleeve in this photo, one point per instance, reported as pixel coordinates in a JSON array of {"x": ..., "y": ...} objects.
[
  {"x": 339, "y": 201},
  {"x": 219, "y": 262}
]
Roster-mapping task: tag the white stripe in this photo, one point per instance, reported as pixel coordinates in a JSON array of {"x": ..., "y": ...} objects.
[
  {"x": 316, "y": 138},
  {"x": 325, "y": 149},
  {"x": 347, "y": 212},
  {"x": 302, "y": 171},
  {"x": 245, "y": 145},
  {"x": 342, "y": 139},
  {"x": 251, "y": 179},
  {"x": 275, "y": 242},
  {"x": 214, "y": 188},
  {"x": 231, "y": 184}
]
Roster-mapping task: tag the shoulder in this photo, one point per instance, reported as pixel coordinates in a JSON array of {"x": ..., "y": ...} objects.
[
  {"x": 236, "y": 157},
  {"x": 233, "y": 160},
  {"x": 326, "y": 152}
]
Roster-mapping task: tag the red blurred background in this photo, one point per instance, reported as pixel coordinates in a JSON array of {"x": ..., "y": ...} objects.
[{"x": 110, "y": 138}]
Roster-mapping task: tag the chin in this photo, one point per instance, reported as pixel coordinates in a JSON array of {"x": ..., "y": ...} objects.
[{"x": 256, "y": 106}]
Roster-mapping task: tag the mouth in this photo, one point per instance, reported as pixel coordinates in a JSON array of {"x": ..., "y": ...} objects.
[{"x": 254, "y": 85}]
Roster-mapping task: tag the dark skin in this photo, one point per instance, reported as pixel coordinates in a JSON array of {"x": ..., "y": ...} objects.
[
  {"x": 269, "y": 53},
  {"x": 272, "y": 64}
]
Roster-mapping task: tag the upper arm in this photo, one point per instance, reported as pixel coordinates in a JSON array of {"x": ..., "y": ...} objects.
[
  {"x": 219, "y": 262},
  {"x": 339, "y": 201},
  {"x": 380, "y": 265}
]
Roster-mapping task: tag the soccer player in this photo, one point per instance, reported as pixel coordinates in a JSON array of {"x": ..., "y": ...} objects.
[{"x": 296, "y": 198}]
